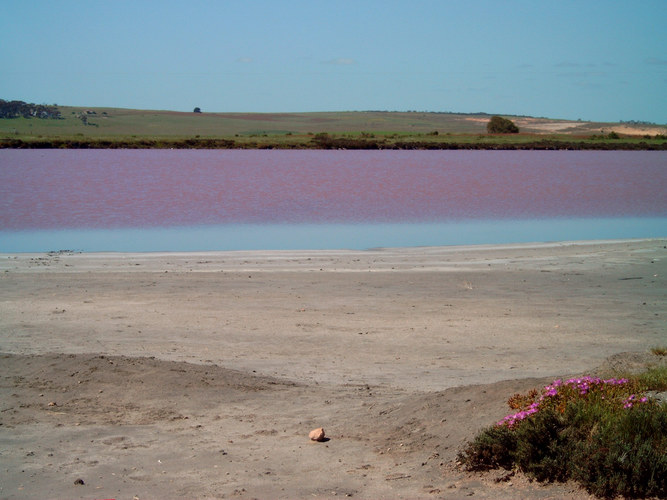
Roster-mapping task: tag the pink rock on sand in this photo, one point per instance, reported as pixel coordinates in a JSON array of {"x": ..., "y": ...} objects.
[{"x": 317, "y": 434}]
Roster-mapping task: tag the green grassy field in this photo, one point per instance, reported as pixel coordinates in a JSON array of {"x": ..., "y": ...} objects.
[{"x": 113, "y": 127}]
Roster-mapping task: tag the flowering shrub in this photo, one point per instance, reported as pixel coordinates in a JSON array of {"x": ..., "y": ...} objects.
[
  {"x": 605, "y": 433},
  {"x": 558, "y": 394}
]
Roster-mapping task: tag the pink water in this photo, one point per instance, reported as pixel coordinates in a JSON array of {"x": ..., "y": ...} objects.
[{"x": 75, "y": 189}]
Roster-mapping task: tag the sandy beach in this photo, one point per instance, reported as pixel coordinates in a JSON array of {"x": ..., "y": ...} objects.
[{"x": 200, "y": 375}]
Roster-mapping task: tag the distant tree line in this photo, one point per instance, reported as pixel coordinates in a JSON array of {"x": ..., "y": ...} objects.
[
  {"x": 637, "y": 122},
  {"x": 16, "y": 109}
]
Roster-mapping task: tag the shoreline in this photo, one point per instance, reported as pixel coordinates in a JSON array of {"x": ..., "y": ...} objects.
[
  {"x": 201, "y": 374},
  {"x": 332, "y": 236},
  {"x": 481, "y": 246},
  {"x": 285, "y": 259},
  {"x": 478, "y": 142}
]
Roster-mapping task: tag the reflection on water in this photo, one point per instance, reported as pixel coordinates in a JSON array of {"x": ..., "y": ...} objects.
[{"x": 332, "y": 236}]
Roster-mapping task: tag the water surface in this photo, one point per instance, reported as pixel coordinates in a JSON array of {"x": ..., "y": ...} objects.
[{"x": 233, "y": 199}]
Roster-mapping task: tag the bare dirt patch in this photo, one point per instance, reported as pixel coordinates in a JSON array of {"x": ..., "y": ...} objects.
[
  {"x": 144, "y": 427},
  {"x": 202, "y": 374}
]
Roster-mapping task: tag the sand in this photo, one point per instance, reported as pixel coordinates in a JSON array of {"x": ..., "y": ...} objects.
[
  {"x": 201, "y": 374},
  {"x": 547, "y": 126}
]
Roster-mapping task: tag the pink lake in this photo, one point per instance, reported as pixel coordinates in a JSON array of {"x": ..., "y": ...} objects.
[
  {"x": 145, "y": 200},
  {"x": 69, "y": 189}
]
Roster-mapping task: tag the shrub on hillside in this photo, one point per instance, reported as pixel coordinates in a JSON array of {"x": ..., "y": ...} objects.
[{"x": 500, "y": 125}]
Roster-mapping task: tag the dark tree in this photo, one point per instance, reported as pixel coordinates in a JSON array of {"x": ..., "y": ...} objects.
[
  {"x": 500, "y": 125},
  {"x": 15, "y": 109},
  {"x": 197, "y": 110}
]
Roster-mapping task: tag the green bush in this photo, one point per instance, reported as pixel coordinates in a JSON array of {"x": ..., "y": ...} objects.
[
  {"x": 626, "y": 455},
  {"x": 653, "y": 379},
  {"x": 492, "y": 448},
  {"x": 542, "y": 447},
  {"x": 500, "y": 125},
  {"x": 605, "y": 434}
]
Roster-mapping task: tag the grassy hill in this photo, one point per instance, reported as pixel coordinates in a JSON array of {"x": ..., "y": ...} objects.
[{"x": 108, "y": 127}]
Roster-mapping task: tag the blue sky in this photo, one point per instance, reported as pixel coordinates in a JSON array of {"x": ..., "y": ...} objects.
[{"x": 594, "y": 60}]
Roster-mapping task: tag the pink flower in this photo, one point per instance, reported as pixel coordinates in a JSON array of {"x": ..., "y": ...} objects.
[
  {"x": 582, "y": 385},
  {"x": 632, "y": 399}
]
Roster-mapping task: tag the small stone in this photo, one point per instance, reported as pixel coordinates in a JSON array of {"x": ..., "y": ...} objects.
[
  {"x": 79, "y": 481},
  {"x": 316, "y": 434}
]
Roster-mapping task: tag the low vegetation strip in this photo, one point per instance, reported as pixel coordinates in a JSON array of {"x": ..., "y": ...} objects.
[{"x": 330, "y": 143}]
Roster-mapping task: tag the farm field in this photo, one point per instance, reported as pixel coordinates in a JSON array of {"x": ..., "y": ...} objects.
[{"x": 115, "y": 127}]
